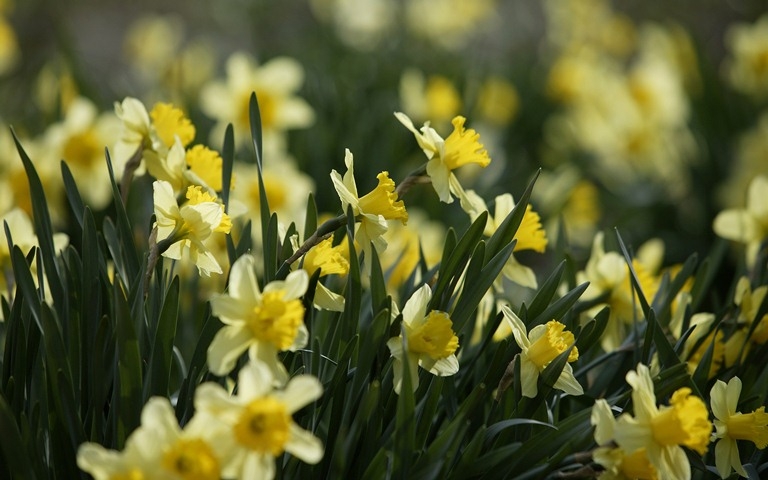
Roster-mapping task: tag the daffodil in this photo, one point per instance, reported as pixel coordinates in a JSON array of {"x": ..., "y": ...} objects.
[
  {"x": 372, "y": 210},
  {"x": 539, "y": 347},
  {"x": 662, "y": 431},
  {"x": 329, "y": 260},
  {"x": 184, "y": 228},
  {"x": 184, "y": 168},
  {"x": 617, "y": 463},
  {"x": 748, "y": 225},
  {"x": 259, "y": 422},
  {"x": 530, "y": 235},
  {"x": 159, "y": 448},
  {"x": 263, "y": 322},
  {"x": 428, "y": 341},
  {"x": 462, "y": 147},
  {"x": 731, "y": 426}
]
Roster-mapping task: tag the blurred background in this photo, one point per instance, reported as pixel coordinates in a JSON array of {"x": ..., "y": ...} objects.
[{"x": 649, "y": 117}]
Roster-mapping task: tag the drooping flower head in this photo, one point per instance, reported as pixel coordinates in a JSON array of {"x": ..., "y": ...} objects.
[
  {"x": 462, "y": 147},
  {"x": 427, "y": 339},
  {"x": 539, "y": 347},
  {"x": 263, "y": 322}
]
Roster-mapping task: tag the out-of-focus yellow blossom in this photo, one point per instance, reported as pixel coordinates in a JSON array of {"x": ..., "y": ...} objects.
[
  {"x": 662, "y": 431},
  {"x": 530, "y": 235},
  {"x": 447, "y": 23},
  {"x": 186, "y": 227},
  {"x": 55, "y": 89},
  {"x": 434, "y": 97},
  {"x": 539, "y": 347},
  {"x": 264, "y": 322},
  {"x": 427, "y": 340},
  {"x": 23, "y": 235},
  {"x": 731, "y": 426},
  {"x": 286, "y": 188},
  {"x": 407, "y": 243},
  {"x": 80, "y": 140},
  {"x": 608, "y": 273},
  {"x": 589, "y": 24},
  {"x": 275, "y": 83},
  {"x": 673, "y": 44},
  {"x": 618, "y": 464},
  {"x": 747, "y": 69},
  {"x": 330, "y": 260},
  {"x": 462, "y": 147},
  {"x": 706, "y": 337},
  {"x": 159, "y": 448},
  {"x": 749, "y": 302},
  {"x": 747, "y": 225},
  {"x": 360, "y": 24},
  {"x": 372, "y": 210},
  {"x": 170, "y": 122},
  {"x": 9, "y": 46},
  {"x": 497, "y": 101},
  {"x": 258, "y": 421},
  {"x": 749, "y": 163}
]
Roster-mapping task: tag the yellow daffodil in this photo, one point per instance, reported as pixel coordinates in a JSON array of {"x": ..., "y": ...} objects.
[
  {"x": 747, "y": 70},
  {"x": 329, "y": 260},
  {"x": 258, "y": 420},
  {"x": 530, "y": 234},
  {"x": 184, "y": 168},
  {"x": 263, "y": 322},
  {"x": 372, "y": 210},
  {"x": 427, "y": 340},
  {"x": 747, "y": 225},
  {"x": 462, "y": 147},
  {"x": 159, "y": 448},
  {"x": 662, "y": 431},
  {"x": 617, "y": 463},
  {"x": 539, "y": 347},
  {"x": 731, "y": 426},
  {"x": 186, "y": 227}
]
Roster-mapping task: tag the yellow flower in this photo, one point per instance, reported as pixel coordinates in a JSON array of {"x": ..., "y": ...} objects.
[
  {"x": 258, "y": 419},
  {"x": 263, "y": 322},
  {"x": 372, "y": 210},
  {"x": 731, "y": 425},
  {"x": 275, "y": 84},
  {"x": 428, "y": 341},
  {"x": 206, "y": 164},
  {"x": 539, "y": 347},
  {"x": 530, "y": 234},
  {"x": 188, "y": 226},
  {"x": 617, "y": 463},
  {"x": 462, "y": 147},
  {"x": 748, "y": 225},
  {"x": 170, "y": 122},
  {"x": 498, "y": 101},
  {"x": 160, "y": 449},
  {"x": 329, "y": 260},
  {"x": 748, "y": 69},
  {"x": 661, "y": 431}
]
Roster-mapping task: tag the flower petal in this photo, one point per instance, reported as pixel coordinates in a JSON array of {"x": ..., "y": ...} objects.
[
  {"x": 300, "y": 391},
  {"x": 304, "y": 446},
  {"x": 415, "y": 308},
  {"x": 229, "y": 343}
]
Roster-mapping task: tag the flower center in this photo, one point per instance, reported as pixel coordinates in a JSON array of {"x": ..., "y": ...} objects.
[
  {"x": 196, "y": 196},
  {"x": 434, "y": 337},
  {"x": 750, "y": 426},
  {"x": 132, "y": 474},
  {"x": 383, "y": 201},
  {"x": 638, "y": 466},
  {"x": 264, "y": 426},
  {"x": 530, "y": 235},
  {"x": 191, "y": 460},
  {"x": 170, "y": 121},
  {"x": 277, "y": 321},
  {"x": 684, "y": 422},
  {"x": 206, "y": 164},
  {"x": 463, "y": 147},
  {"x": 83, "y": 149},
  {"x": 556, "y": 340},
  {"x": 277, "y": 194}
]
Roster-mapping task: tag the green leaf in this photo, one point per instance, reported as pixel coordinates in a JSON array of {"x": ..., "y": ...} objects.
[
  {"x": 454, "y": 260},
  {"x": 405, "y": 425},
  {"x": 158, "y": 373},
  {"x": 497, "y": 427},
  {"x": 546, "y": 292},
  {"x": 124, "y": 250},
  {"x": 228, "y": 161},
  {"x": 310, "y": 221},
  {"x": 73, "y": 194},
  {"x": 254, "y": 115},
  {"x": 560, "y": 307},
  {"x": 15, "y": 462},
  {"x": 129, "y": 369}
]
